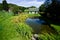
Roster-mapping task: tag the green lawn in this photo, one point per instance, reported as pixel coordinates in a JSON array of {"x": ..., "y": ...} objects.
[{"x": 32, "y": 15}]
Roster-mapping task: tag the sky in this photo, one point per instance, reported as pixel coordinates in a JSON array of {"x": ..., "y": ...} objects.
[{"x": 26, "y": 3}]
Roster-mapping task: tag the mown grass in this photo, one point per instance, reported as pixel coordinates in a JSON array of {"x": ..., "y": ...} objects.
[{"x": 30, "y": 15}]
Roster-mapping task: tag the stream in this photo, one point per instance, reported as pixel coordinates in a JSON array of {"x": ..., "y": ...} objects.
[{"x": 35, "y": 23}]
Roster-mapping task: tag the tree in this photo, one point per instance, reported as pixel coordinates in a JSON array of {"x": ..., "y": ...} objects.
[
  {"x": 42, "y": 8},
  {"x": 22, "y": 8},
  {"x": 0, "y": 6},
  {"x": 53, "y": 9},
  {"x": 32, "y": 7},
  {"x": 15, "y": 8},
  {"x": 5, "y": 5}
]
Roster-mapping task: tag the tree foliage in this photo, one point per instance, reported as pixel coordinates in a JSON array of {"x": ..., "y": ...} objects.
[
  {"x": 5, "y": 5},
  {"x": 0, "y": 6},
  {"x": 32, "y": 7},
  {"x": 52, "y": 11},
  {"x": 15, "y": 8},
  {"x": 42, "y": 8}
]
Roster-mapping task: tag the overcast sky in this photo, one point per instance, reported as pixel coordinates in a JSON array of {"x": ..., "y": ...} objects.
[{"x": 26, "y": 3}]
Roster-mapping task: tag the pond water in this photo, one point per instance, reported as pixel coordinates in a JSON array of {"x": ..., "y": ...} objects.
[{"x": 35, "y": 23}]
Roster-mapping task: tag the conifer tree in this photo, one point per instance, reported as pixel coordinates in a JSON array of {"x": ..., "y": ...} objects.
[{"x": 5, "y": 5}]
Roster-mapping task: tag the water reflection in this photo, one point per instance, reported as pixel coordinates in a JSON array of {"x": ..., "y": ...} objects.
[{"x": 35, "y": 24}]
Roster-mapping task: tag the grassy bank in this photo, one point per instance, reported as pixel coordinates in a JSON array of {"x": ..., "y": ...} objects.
[
  {"x": 15, "y": 28},
  {"x": 50, "y": 36},
  {"x": 57, "y": 27}
]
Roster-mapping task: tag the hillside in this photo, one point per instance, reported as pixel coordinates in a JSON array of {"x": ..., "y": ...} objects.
[{"x": 14, "y": 7}]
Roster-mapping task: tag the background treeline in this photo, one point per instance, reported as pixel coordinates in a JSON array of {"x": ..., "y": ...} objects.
[
  {"x": 51, "y": 10},
  {"x": 13, "y": 7}
]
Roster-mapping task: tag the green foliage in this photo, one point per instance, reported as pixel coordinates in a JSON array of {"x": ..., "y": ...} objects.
[
  {"x": 0, "y": 6},
  {"x": 25, "y": 30},
  {"x": 52, "y": 11},
  {"x": 10, "y": 30},
  {"x": 42, "y": 8},
  {"x": 22, "y": 8},
  {"x": 5, "y": 5},
  {"x": 50, "y": 36},
  {"x": 15, "y": 8},
  {"x": 32, "y": 7}
]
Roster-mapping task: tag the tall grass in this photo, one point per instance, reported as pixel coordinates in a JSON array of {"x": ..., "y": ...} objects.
[
  {"x": 12, "y": 30},
  {"x": 15, "y": 28},
  {"x": 50, "y": 36}
]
